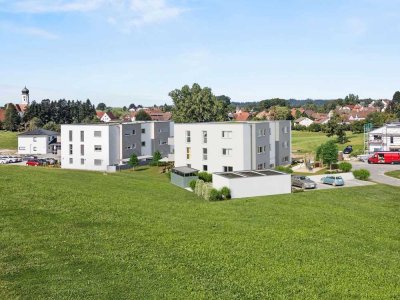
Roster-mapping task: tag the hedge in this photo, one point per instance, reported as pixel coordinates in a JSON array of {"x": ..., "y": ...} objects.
[
  {"x": 345, "y": 166},
  {"x": 361, "y": 174}
]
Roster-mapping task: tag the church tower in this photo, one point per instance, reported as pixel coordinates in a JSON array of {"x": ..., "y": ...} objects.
[{"x": 25, "y": 96}]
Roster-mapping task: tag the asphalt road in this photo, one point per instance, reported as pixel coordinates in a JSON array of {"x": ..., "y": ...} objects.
[{"x": 378, "y": 172}]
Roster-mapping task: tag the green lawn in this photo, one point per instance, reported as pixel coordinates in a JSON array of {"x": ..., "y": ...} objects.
[
  {"x": 307, "y": 142},
  {"x": 8, "y": 140},
  {"x": 395, "y": 174},
  {"x": 132, "y": 235}
]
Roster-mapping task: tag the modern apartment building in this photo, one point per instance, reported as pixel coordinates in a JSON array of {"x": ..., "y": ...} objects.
[
  {"x": 385, "y": 138},
  {"x": 232, "y": 146},
  {"x": 98, "y": 146}
]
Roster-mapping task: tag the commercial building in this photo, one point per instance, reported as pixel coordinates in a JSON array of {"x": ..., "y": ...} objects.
[
  {"x": 385, "y": 138},
  {"x": 100, "y": 147},
  {"x": 232, "y": 146}
]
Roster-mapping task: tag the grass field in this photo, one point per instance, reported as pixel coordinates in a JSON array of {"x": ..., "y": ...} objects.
[
  {"x": 132, "y": 235},
  {"x": 395, "y": 174},
  {"x": 307, "y": 142},
  {"x": 8, "y": 140}
]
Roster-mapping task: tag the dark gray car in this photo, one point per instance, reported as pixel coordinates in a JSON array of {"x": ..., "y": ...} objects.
[{"x": 303, "y": 182}]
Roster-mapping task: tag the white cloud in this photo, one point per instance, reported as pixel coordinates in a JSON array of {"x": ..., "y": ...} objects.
[
  {"x": 124, "y": 14},
  {"x": 28, "y": 30}
]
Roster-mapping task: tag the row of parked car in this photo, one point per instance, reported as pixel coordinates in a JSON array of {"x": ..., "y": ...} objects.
[
  {"x": 305, "y": 182},
  {"x": 8, "y": 159},
  {"x": 34, "y": 161}
]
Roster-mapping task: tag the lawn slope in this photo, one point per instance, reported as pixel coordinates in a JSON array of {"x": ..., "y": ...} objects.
[
  {"x": 132, "y": 235},
  {"x": 8, "y": 140}
]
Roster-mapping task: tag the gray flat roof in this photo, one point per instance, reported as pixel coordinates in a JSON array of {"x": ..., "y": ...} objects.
[
  {"x": 185, "y": 170},
  {"x": 39, "y": 131},
  {"x": 250, "y": 173},
  {"x": 114, "y": 123},
  {"x": 232, "y": 122}
]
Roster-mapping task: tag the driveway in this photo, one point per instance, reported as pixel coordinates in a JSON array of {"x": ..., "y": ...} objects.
[{"x": 378, "y": 172}]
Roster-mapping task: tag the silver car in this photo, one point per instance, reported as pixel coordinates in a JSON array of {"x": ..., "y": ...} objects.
[{"x": 303, "y": 182}]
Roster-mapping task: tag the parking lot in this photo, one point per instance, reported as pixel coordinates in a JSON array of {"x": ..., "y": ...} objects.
[{"x": 349, "y": 181}]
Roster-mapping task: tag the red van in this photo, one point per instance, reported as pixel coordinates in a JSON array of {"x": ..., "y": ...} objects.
[{"x": 385, "y": 158}]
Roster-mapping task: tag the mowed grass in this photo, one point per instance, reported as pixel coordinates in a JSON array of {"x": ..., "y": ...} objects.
[
  {"x": 132, "y": 235},
  {"x": 308, "y": 142},
  {"x": 8, "y": 140},
  {"x": 395, "y": 174}
]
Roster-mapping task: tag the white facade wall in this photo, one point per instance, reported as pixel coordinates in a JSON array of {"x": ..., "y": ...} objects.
[
  {"x": 34, "y": 144},
  {"x": 238, "y": 143},
  {"x": 255, "y": 186}
]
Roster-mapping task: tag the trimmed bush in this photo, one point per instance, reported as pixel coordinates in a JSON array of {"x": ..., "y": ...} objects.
[
  {"x": 206, "y": 177},
  {"x": 361, "y": 174},
  {"x": 283, "y": 169},
  {"x": 192, "y": 184},
  {"x": 207, "y": 191},
  {"x": 345, "y": 167},
  {"x": 226, "y": 193},
  {"x": 214, "y": 195}
]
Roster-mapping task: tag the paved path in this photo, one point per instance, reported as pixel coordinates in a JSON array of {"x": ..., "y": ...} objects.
[{"x": 378, "y": 172}]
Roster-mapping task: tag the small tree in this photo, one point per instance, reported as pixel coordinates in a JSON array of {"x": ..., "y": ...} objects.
[
  {"x": 156, "y": 157},
  {"x": 142, "y": 115},
  {"x": 133, "y": 161},
  {"x": 328, "y": 152}
]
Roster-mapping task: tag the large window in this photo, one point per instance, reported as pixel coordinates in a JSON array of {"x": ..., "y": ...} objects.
[
  {"x": 97, "y": 162},
  {"x": 70, "y": 135},
  {"x": 226, "y": 152},
  {"x": 82, "y": 136},
  {"x": 71, "y": 160},
  {"x": 97, "y": 134},
  {"x": 204, "y": 137},
  {"x": 143, "y": 144},
  {"x": 205, "y": 168},
  {"x": 143, "y": 130},
  {"x": 391, "y": 139},
  {"x": 227, "y": 168},
  {"x": 70, "y": 149},
  {"x": 188, "y": 150},
  {"x": 82, "y": 150},
  {"x": 187, "y": 136},
  {"x": 97, "y": 148},
  {"x": 262, "y": 132},
  {"x": 260, "y": 149},
  {"x": 82, "y": 161},
  {"x": 226, "y": 134},
  {"x": 34, "y": 139},
  {"x": 205, "y": 154}
]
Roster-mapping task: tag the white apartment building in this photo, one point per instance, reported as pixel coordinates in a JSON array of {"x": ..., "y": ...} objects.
[
  {"x": 385, "y": 138},
  {"x": 232, "y": 146},
  {"x": 97, "y": 147}
]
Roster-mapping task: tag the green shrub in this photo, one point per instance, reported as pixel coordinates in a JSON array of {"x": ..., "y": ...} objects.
[
  {"x": 168, "y": 174},
  {"x": 198, "y": 190},
  {"x": 297, "y": 191},
  {"x": 192, "y": 184},
  {"x": 226, "y": 193},
  {"x": 214, "y": 195},
  {"x": 206, "y": 177},
  {"x": 283, "y": 169},
  {"x": 345, "y": 166},
  {"x": 206, "y": 193},
  {"x": 361, "y": 174}
]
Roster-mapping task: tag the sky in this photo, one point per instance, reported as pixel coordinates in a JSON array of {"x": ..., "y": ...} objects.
[{"x": 137, "y": 51}]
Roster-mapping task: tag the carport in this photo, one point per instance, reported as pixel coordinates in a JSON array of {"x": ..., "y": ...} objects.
[{"x": 182, "y": 176}]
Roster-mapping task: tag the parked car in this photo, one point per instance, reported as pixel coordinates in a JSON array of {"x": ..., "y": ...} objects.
[
  {"x": 7, "y": 158},
  {"x": 385, "y": 158},
  {"x": 348, "y": 150},
  {"x": 29, "y": 157},
  {"x": 333, "y": 180},
  {"x": 51, "y": 161},
  {"x": 33, "y": 162},
  {"x": 303, "y": 182},
  {"x": 3, "y": 161},
  {"x": 43, "y": 161}
]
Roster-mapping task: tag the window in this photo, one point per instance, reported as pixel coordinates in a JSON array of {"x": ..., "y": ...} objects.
[
  {"x": 262, "y": 132},
  {"x": 265, "y": 149},
  {"x": 97, "y": 148},
  {"x": 127, "y": 134},
  {"x": 97, "y": 134},
  {"x": 285, "y": 129},
  {"x": 227, "y": 169},
  {"x": 265, "y": 165},
  {"x": 71, "y": 160},
  {"x": 205, "y": 168},
  {"x": 205, "y": 153},
  {"x": 82, "y": 136},
  {"x": 188, "y": 152},
  {"x": 143, "y": 130},
  {"x": 133, "y": 131},
  {"x": 70, "y": 149},
  {"x": 21, "y": 148},
  {"x": 269, "y": 131},
  {"x": 82, "y": 161},
  {"x": 259, "y": 166},
  {"x": 285, "y": 144},
  {"x": 34, "y": 139},
  {"x": 97, "y": 162},
  {"x": 128, "y": 147},
  {"x": 189, "y": 165},
  {"x": 285, "y": 159},
  {"x": 226, "y": 134},
  {"x": 133, "y": 146},
  {"x": 34, "y": 148},
  {"x": 204, "y": 137},
  {"x": 226, "y": 152},
  {"x": 271, "y": 166},
  {"x": 70, "y": 135},
  {"x": 260, "y": 149},
  {"x": 187, "y": 135},
  {"x": 161, "y": 142},
  {"x": 391, "y": 140},
  {"x": 143, "y": 144},
  {"x": 82, "y": 149}
]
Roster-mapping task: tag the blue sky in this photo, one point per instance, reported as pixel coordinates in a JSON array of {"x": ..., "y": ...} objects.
[{"x": 124, "y": 51}]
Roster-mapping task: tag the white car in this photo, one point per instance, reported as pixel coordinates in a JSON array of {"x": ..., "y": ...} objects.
[{"x": 3, "y": 161}]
